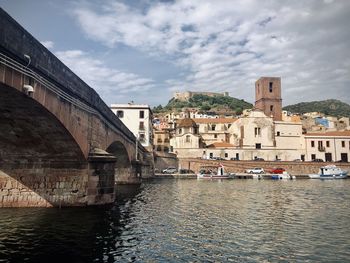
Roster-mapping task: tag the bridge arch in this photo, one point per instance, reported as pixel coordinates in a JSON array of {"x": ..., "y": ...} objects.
[
  {"x": 36, "y": 151},
  {"x": 30, "y": 134},
  {"x": 123, "y": 165}
]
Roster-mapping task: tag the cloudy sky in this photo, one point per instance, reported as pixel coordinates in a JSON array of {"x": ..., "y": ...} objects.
[{"x": 145, "y": 50}]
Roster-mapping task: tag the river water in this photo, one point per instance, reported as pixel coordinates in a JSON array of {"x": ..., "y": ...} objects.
[{"x": 190, "y": 221}]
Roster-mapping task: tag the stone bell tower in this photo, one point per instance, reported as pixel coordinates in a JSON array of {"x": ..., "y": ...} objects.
[{"x": 268, "y": 97}]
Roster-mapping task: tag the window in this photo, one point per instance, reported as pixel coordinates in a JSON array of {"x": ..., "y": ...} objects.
[
  {"x": 257, "y": 131},
  {"x": 327, "y": 143},
  {"x": 188, "y": 138},
  {"x": 226, "y": 155},
  {"x": 166, "y": 149},
  {"x": 120, "y": 114},
  {"x": 270, "y": 86},
  {"x": 180, "y": 131},
  {"x": 213, "y": 127},
  {"x": 278, "y": 133},
  {"x": 142, "y": 114},
  {"x": 159, "y": 148},
  {"x": 258, "y": 146},
  {"x": 142, "y": 137},
  {"x": 141, "y": 125},
  {"x": 313, "y": 156},
  {"x": 215, "y": 136},
  {"x": 343, "y": 144},
  {"x": 312, "y": 143},
  {"x": 271, "y": 107},
  {"x": 211, "y": 155}
]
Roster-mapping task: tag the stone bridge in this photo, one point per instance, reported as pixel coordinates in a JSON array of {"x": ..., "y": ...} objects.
[{"x": 60, "y": 144}]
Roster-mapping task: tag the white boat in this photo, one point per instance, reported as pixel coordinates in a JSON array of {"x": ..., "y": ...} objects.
[
  {"x": 329, "y": 172},
  {"x": 257, "y": 176},
  {"x": 213, "y": 172},
  {"x": 283, "y": 176}
]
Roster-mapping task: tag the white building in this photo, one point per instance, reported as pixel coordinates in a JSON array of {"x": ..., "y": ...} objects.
[
  {"x": 138, "y": 119},
  {"x": 328, "y": 146}
]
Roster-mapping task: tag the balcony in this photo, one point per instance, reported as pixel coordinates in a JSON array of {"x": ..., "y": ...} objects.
[{"x": 321, "y": 148}]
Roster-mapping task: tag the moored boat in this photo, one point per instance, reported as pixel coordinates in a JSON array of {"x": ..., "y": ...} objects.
[
  {"x": 330, "y": 172},
  {"x": 213, "y": 172},
  {"x": 284, "y": 176}
]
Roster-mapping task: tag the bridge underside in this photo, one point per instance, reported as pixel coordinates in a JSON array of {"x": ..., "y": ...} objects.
[
  {"x": 40, "y": 162},
  {"x": 30, "y": 135}
]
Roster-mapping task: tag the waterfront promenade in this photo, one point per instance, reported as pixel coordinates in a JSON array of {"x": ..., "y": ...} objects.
[{"x": 293, "y": 168}]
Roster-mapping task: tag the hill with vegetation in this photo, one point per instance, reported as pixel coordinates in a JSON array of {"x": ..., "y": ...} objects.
[
  {"x": 328, "y": 107},
  {"x": 206, "y": 103}
]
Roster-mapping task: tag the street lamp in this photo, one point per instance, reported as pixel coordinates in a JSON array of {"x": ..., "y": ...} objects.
[{"x": 137, "y": 146}]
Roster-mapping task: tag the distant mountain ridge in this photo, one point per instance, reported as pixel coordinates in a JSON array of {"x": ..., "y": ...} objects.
[
  {"x": 207, "y": 103},
  {"x": 330, "y": 107}
]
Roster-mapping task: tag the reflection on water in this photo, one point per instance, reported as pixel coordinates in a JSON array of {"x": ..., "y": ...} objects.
[{"x": 190, "y": 220}]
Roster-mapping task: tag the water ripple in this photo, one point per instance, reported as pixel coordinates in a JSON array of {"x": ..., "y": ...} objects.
[{"x": 190, "y": 221}]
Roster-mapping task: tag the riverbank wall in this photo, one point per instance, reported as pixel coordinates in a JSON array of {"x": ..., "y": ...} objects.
[{"x": 293, "y": 168}]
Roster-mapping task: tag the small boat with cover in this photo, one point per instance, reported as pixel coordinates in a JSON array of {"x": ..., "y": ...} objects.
[
  {"x": 213, "y": 172},
  {"x": 329, "y": 172}
]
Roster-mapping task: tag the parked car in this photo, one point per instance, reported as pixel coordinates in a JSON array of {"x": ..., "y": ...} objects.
[
  {"x": 217, "y": 158},
  {"x": 277, "y": 170},
  {"x": 256, "y": 170},
  {"x": 169, "y": 170},
  {"x": 318, "y": 160},
  {"x": 258, "y": 159},
  {"x": 234, "y": 159}
]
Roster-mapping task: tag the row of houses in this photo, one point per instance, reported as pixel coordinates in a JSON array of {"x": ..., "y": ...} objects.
[
  {"x": 263, "y": 132},
  {"x": 252, "y": 137}
]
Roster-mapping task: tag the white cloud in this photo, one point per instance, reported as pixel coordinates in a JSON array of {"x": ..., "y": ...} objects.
[
  {"x": 48, "y": 44},
  {"x": 110, "y": 83},
  {"x": 227, "y": 45}
]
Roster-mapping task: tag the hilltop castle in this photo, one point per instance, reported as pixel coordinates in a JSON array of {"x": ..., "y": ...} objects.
[{"x": 184, "y": 96}]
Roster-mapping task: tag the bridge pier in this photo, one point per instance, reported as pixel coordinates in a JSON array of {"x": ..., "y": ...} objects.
[
  {"x": 129, "y": 175},
  {"x": 32, "y": 187},
  {"x": 101, "y": 178}
]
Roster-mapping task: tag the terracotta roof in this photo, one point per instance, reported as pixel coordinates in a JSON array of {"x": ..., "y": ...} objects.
[
  {"x": 185, "y": 123},
  {"x": 332, "y": 133},
  {"x": 215, "y": 120},
  {"x": 295, "y": 118},
  {"x": 220, "y": 145}
]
